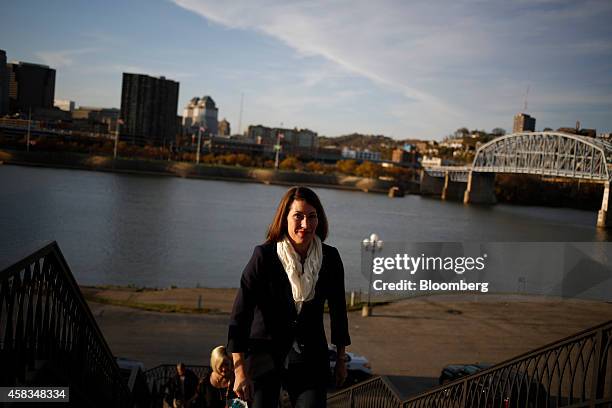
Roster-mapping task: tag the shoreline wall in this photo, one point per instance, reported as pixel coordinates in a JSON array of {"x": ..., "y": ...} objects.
[{"x": 191, "y": 170}]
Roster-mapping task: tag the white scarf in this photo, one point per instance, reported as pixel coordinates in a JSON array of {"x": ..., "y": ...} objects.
[{"x": 302, "y": 282}]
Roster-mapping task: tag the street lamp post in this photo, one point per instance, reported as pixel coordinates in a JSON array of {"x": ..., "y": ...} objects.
[
  {"x": 28, "y": 134},
  {"x": 119, "y": 122},
  {"x": 277, "y": 147},
  {"x": 199, "y": 144},
  {"x": 372, "y": 244}
]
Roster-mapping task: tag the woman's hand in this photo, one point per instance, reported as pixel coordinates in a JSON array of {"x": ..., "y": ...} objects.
[
  {"x": 243, "y": 386},
  {"x": 340, "y": 369}
]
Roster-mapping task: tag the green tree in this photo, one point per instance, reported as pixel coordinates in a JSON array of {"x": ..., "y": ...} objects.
[
  {"x": 462, "y": 132},
  {"x": 498, "y": 132}
]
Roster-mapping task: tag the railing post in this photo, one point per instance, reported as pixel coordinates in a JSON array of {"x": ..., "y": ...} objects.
[
  {"x": 464, "y": 394},
  {"x": 598, "y": 375}
]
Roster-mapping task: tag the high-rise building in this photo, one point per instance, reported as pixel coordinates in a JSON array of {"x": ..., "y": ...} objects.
[
  {"x": 523, "y": 123},
  {"x": 148, "y": 109},
  {"x": 202, "y": 112},
  {"x": 224, "y": 128},
  {"x": 31, "y": 86},
  {"x": 4, "y": 85},
  {"x": 64, "y": 104}
]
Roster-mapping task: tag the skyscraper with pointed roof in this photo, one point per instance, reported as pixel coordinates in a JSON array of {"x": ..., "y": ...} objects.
[{"x": 202, "y": 112}]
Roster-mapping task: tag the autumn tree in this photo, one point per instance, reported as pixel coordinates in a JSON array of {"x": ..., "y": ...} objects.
[
  {"x": 290, "y": 163},
  {"x": 368, "y": 169},
  {"x": 243, "y": 160},
  {"x": 346, "y": 166},
  {"x": 315, "y": 167}
]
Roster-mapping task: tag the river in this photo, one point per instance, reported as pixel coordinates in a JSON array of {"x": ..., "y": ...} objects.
[{"x": 161, "y": 231}]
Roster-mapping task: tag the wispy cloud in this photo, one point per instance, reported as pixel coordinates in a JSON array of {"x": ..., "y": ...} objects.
[
  {"x": 445, "y": 59},
  {"x": 63, "y": 58}
]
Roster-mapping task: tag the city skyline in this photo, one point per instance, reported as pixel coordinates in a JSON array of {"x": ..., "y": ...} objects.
[{"x": 403, "y": 70}]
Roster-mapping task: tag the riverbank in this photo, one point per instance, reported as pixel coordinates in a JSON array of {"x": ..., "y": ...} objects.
[
  {"x": 78, "y": 161},
  {"x": 169, "y": 300}
]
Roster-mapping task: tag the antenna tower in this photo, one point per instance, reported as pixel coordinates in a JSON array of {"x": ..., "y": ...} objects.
[{"x": 240, "y": 117}]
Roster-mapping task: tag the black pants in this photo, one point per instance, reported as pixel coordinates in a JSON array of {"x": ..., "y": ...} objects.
[{"x": 301, "y": 380}]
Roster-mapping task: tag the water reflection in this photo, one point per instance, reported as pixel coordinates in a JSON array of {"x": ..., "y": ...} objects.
[{"x": 161, "y": 231}]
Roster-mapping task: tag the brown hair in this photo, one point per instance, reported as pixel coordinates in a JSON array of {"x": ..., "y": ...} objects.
[{"x": 278, "y": 227}]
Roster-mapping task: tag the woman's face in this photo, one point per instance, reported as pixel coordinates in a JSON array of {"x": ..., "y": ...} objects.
[
  {"x": 301, "y": 223},
  {"x": 225, "y": 368}
]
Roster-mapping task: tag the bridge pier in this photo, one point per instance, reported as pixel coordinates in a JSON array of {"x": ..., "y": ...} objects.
[
  {"x": 480, "y": 188},
  {"x": 431, "y": 185},
  {"x": 603, "y": 220},
  {"x": 452, "y": 190}
]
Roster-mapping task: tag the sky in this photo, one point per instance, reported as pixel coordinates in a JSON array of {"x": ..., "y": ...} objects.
[{"x": 405, "y": 69}]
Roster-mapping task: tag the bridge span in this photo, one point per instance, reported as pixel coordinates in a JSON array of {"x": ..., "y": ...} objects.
[{"x": 542, "y": 153}]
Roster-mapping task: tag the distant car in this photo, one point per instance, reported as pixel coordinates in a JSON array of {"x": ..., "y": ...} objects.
[
  {"x": 453, "y": 372},
  {"x": 358, "y": 367}
]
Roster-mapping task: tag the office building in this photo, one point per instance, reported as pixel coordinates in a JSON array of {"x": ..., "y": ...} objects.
[
  {"x": 262, "y": 134},
  {"x": 102, "y": 118},
  {"x": 224, "y": 128},
  {"x": 361, "y": 155},
  {"x": 293, "y": 141},
  {"x": 578, "y": 131},
  {"x": 31, "y": 86},
  {"x": 4, "y": 85},
  {"x": 523, "y": 123},
  {"x": 224, "y": 145},
  {"x": 148, "y": 109},
  {"x": 64, "y": 105},
  {"x": 201, "y": 112},
  {"x": 405, "y": 156}
]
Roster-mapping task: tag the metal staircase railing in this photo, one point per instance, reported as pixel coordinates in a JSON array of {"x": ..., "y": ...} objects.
[
  {"x": 375, "y": 392},
  {"x": 574, "y": 372},
  {"x": 49, "y": 337}
]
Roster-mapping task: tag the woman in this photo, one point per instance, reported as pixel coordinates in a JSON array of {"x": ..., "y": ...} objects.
[
  {"x": 215, "y": 389},
  {"x": 276, "y": 334}
]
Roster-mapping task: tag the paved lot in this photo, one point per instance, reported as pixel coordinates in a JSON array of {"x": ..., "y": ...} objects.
[
  {"x": 160, "y": 338},
  {"x": 407, "y": 338},
  {"x": 419, "y": 337}
]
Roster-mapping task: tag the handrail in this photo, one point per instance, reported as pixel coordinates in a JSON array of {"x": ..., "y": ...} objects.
[
  {"x": 48, "y": 335},
  {"x": 575, "y": 371},
  {"x": 375, "y": 392}
]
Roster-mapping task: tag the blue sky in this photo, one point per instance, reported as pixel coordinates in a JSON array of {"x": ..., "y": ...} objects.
[{"x": 406, "y": 69}]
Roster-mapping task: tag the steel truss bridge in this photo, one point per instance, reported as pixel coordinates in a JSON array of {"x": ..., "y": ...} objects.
[{"x": 543, "y": 153}]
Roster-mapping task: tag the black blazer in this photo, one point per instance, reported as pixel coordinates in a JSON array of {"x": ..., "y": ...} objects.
[{"x": 264, "y": 318}]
